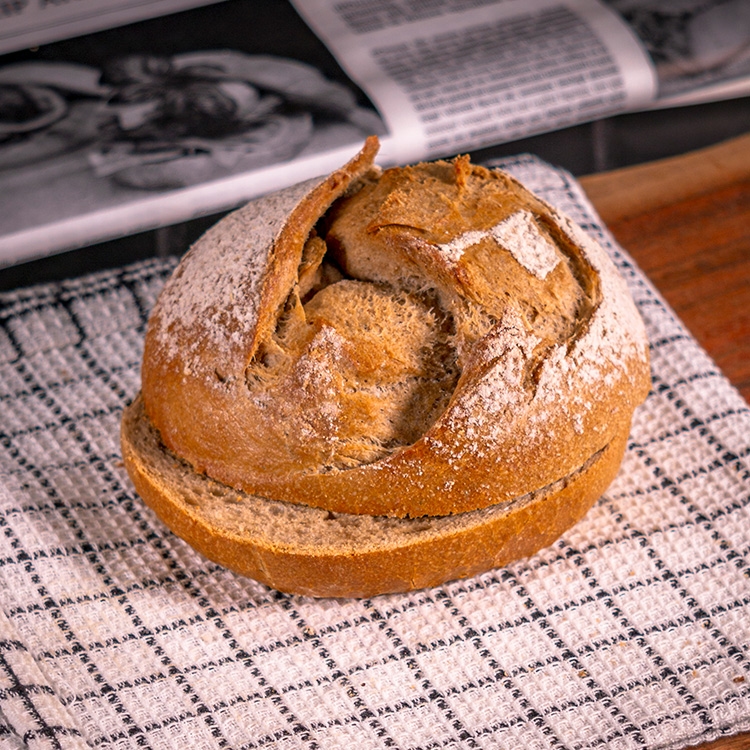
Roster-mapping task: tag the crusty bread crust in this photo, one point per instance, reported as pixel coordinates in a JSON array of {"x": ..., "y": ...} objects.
[
  {"x": 340, "y": 401},
  {"x": 313, "y": 552}
]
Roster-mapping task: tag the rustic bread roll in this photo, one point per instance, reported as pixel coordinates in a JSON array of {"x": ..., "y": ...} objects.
[{"x": 421, "y": 373}]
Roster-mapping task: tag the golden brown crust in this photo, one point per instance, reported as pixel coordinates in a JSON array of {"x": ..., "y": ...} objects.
[
  {"x": 282, "y": 545},
  {"x": 285, "y": 413}
]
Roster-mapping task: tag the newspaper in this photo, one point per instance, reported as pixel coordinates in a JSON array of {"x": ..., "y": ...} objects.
[{"x": 103, "y": 142}]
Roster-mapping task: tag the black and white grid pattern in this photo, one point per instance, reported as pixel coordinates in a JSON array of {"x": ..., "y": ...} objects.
[{"x": 633, "y": 631}]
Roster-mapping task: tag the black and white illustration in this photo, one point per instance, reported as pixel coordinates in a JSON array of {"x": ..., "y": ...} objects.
[
  {"x": 127, "y": 115},
  {"x": 692, "y": 42},
  {"x": 161, "y": 122}
]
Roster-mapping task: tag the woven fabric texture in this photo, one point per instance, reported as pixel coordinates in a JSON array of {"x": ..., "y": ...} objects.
[{"x": 632, "y": 631}]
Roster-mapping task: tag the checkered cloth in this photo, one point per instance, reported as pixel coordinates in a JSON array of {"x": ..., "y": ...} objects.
[{"x": 633, "y": 631}]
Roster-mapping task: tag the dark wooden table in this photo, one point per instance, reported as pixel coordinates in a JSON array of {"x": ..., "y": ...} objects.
[{"x": 686, "y": 222}]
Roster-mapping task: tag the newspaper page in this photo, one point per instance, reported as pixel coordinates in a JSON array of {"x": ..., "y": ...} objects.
[
  {"x": 185, "y": 115},
  {"x": 457, "y": 74},
  {"x": 165, "y": 120},
  {"x": 700, "y": 48}
]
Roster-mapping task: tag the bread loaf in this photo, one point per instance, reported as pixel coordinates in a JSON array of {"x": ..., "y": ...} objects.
[{"x": 379, "y": 381}]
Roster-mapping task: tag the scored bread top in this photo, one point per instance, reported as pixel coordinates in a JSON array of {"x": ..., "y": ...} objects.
[{"x": 423, "y": 341}]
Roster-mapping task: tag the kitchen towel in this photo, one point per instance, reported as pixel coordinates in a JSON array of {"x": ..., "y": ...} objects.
[{"x": 632, "y": 631}]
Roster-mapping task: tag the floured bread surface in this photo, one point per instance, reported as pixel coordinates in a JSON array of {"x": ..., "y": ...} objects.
[{"x": 425, "y": 341}]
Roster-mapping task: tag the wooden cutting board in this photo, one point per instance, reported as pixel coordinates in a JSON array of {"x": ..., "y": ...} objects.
[{"x": 686, "y": 222}]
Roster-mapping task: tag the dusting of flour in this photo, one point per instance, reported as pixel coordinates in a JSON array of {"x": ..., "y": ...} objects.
[
  {"x": 454, "y": 249},
  {"x": 568, "y": 374},
  {"x": 211, "y": 304},
  {"x": 519, "y": 235}
]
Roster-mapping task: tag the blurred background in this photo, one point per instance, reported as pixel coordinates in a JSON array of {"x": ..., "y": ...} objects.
[{"x": 592, "y": 147}]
